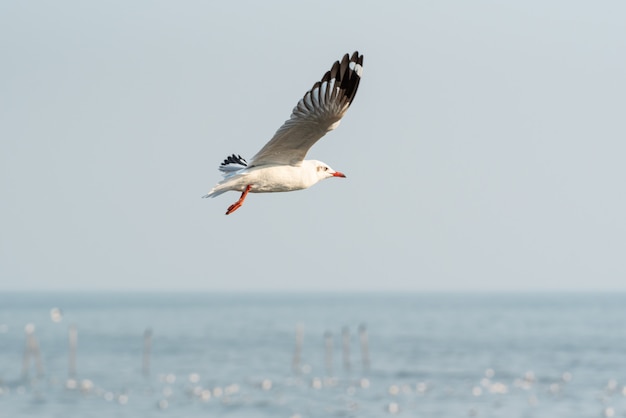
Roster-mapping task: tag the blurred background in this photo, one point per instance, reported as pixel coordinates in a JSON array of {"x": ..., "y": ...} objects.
[
  {"x": 483, "y": 151},
  {"x": 477, "y": 241}
]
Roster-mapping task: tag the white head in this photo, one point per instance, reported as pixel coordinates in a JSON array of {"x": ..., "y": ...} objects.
[{"x": 323, "y": 170}]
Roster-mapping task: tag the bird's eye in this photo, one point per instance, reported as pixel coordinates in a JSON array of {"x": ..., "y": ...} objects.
[{"x": 325, "y": 168}]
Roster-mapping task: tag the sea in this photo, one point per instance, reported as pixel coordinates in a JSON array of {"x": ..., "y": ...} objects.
[{"x": 297, "y": 355}]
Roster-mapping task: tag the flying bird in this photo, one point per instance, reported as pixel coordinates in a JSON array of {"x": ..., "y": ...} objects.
[{"x": 280, "y": 165}]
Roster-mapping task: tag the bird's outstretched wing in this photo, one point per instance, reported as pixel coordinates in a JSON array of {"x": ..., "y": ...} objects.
[{"x": 317, "y": 113}]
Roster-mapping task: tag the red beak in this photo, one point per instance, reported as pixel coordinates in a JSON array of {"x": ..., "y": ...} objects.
[{"x": 339, "y": 174}]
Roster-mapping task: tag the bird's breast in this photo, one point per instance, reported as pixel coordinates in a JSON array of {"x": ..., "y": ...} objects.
[{"x": 280, "y": 179}]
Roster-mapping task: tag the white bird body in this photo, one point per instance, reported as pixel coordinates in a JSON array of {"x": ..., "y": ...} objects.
[
  {"x": 280, "y": 166},
  {"x": 274, "y": 178}
]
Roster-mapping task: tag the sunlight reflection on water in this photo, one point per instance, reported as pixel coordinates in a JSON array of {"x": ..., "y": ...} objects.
[{"x": 530, "y": 368}]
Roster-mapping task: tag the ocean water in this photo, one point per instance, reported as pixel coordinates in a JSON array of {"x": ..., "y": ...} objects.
[{"x": 312, "y": 355}]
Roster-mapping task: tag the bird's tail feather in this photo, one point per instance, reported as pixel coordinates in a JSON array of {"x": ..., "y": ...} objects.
[
  {"x": 215, "y": 192},
  {"x": 223, "y": 186},
  {"x": 229, "y": 168},
  {"x": 231, "y": 164}
]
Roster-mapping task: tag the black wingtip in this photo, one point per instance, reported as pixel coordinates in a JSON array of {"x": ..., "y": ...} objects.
[
  {"x": 350, "y": 74},
  {"x": 235, "y": 159},
  {"x": 342, "y": 82}
]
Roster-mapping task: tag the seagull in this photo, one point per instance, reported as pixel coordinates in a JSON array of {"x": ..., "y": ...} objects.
[{"x": 280, "y": 165}]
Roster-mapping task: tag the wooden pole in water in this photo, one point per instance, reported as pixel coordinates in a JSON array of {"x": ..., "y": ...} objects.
[
  {"x": 328, "y": 357},
  {"x": 365, "y": 352},
  {"x": 345, "y": 337},
  {"x": 73, "y": 343},
  {"x": 27, "y": 353},
  {"x": 31, "y": 350},
  {"x": 147, "y": 348},
  {"x": 295, "y": 364},
  {"x": 37, "y": 353}
]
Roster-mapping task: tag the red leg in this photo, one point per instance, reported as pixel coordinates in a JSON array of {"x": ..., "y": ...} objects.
[{"x": 238, "y": 203}]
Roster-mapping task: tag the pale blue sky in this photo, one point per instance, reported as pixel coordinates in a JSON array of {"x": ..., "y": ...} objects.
[{"x": 484, "y": 151}]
